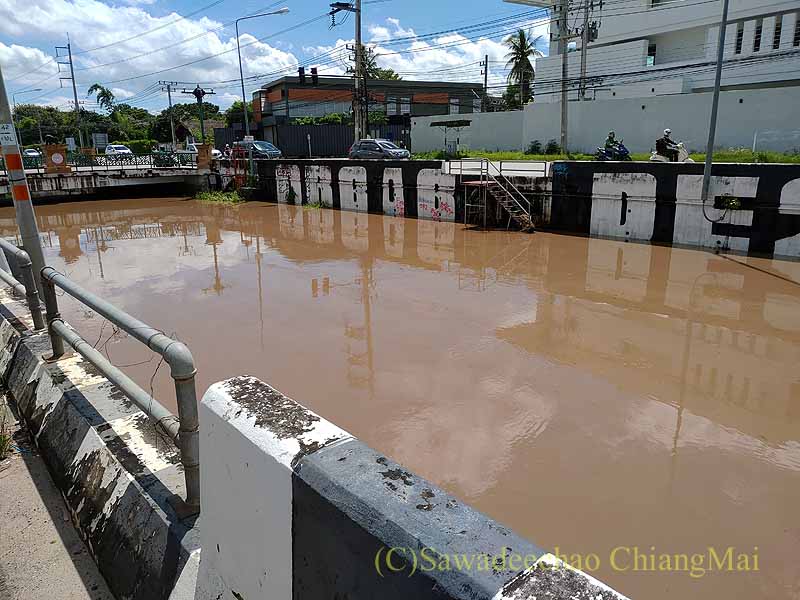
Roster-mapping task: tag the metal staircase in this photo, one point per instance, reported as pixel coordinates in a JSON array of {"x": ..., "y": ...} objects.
[{"x": 505, "y": 193}]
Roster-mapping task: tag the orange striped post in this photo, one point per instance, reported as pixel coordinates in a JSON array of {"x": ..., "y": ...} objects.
[{"x": 18, "y": 183}]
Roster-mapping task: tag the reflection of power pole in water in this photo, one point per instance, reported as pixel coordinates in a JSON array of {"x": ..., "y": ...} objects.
[
  {"x": 213, "y": 239},
  {"x": 186, "y": 250},
  {"x": 100, "y": 247},
  {"x": 363, "y": 359},
  {"x": 260, "y": 289}
]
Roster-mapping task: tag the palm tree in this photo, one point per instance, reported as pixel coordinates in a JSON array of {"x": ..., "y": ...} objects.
[
  {"x": 521, "y": 49},
  {"x": 105, "y": 97}
]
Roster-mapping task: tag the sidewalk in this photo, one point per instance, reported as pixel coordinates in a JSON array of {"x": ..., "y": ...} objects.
[{"x": 41, "y": 555}]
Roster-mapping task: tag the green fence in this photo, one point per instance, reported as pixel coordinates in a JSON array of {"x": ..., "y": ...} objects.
[{"x": 103, "y": 162}]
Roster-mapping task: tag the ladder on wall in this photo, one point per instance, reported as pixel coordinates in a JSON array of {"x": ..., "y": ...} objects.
[{"x": 506, "y": 194}]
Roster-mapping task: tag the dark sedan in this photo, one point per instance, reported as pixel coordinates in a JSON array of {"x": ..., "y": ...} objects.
[
  {"x": 383, "y": 149},
  {"x": 260, "y": 149}
]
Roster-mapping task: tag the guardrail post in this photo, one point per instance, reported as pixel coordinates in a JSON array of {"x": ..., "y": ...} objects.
[
  {"x": 183, "y": 371},
  {"x": 52, "y": 314},
  {"x": 32, "y": 294}
]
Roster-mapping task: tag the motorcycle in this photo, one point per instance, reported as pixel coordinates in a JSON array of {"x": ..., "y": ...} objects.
[
  {"x": 618, "y": 152},
  {"x": 683, "y": 155}
]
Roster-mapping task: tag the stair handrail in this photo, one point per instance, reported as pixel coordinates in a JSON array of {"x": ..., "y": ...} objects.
[{"x": 513, "y": 187}]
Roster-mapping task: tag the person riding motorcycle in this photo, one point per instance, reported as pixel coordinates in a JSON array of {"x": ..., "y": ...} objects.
[
  {"x": 666, "y": 147},
  {"x": 611, "y": 141}
]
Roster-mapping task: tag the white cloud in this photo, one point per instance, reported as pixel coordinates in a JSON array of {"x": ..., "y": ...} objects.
[
  {"x": 35, "y": 25},
  {"x": 93, "y": 24}
]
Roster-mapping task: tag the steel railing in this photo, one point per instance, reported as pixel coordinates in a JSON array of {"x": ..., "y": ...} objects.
[
  {"x": 28, "y": 286},
  {"x": 184, "y": 429},
  {"x": 107, "y": 162}
]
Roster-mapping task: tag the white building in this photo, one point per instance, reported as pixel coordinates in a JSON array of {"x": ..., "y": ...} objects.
[{"x": 647, "y": 48}]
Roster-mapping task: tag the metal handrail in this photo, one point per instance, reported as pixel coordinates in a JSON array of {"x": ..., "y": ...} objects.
[
  {"x": 28, "y": 286},
  {"x": 183, "y": 430},
  {"x": 509, "y": 183}
]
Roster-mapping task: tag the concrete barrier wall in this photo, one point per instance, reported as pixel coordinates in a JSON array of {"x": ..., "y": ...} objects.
[
  {"x": 766, "y": 116},
  {"x": 660, "y": 202},
  {"x": 294, "y": 507},
  {"x": 116, "y": 476},
  {"x": 398, "y": 188}
]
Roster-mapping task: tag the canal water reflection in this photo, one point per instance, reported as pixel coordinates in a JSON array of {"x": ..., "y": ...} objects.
[{"x": 590, "y": 394}]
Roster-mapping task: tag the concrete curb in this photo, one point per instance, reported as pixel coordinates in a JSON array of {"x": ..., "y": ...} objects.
[
  {"x": 294, "y": 507},
  {"x": 104, "y": 456}
]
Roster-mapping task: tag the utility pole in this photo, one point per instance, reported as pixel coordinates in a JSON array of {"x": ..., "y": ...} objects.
[
  {"x": 712, "y": 126},
  {"x": 18, "y": 183},
  {"x": 359, "y": 118},
  {"x": 585, "y": 35},
  {"x": 200, "y": 93},
  {"x": 485, "y": 73},
  {"x": 169, "y": 85},
  {"x": 68, "y": 48},
  {"x": 563, "y": 44}
]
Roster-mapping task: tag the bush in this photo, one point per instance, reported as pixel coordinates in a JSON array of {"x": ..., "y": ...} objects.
[
  {"x": 220, "y": 197},
  {"x": 535, "y": 147},
  {"x": 139, "y": 146},
  {"x": 552, "y": 147}
]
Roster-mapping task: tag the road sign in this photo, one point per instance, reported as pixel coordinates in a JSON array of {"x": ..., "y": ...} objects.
[
  {"x": 7, "y": 136},
  {"x": 100, "y": 140},
  {"x": 249, "y": 138}
]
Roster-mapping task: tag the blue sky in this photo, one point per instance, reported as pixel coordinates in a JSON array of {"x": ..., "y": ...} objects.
[{"x": 129, "y": 45}]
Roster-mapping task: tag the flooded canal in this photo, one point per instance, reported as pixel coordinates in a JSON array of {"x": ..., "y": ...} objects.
[{"x": 593, "y": 395}]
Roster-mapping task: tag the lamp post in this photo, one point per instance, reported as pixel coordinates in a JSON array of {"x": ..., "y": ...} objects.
[
  {"x": 14, "y": 104},
  {"x": 280, "y": 11}
]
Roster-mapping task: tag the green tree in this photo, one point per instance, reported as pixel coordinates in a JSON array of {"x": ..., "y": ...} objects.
[
  {"x": 234, "y": 113},
  {"x": 105, "y": 97},
  {"x": 372, "y": 68},
  {"x": 521, "y": 48}
]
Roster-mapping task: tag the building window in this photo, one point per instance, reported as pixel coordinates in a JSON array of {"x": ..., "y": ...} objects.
[
  {"x": 776, "y": 37},
  {"x": 391, "y": 106},
  {"x": 757, "y": 37},
  {"x": 405, "y": 106},
  {"x": 651, "y": 55},
  {"x": 454, "y": 106},
  {"x": 796, "y": 42},
  {"x": 739, "y": 38}
]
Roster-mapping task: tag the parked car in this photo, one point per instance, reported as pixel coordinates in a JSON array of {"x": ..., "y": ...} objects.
[
  {"x": 378, "y": 149},
  {"x": 260, "y": 148},
  {"x": 117, "y": 149},
  {"x": 192, "y": 149},
  {"x": 32, "y": 153}
]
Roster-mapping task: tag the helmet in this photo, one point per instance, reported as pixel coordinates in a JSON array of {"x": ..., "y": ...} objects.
[
  {"x": 611, "y": 134},
  {"x": 668, "y": 132}
]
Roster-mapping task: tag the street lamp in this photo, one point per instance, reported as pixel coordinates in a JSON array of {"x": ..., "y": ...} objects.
[
  {"x": 280, "y": 11},
  {"x": 14, "y": 103}
]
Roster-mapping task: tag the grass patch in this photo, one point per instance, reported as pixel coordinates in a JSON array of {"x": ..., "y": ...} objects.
[
  {"x": 220, "y": 197},
  {"x": 314, "y": 205},
  {"x": 740, "y": 155}
]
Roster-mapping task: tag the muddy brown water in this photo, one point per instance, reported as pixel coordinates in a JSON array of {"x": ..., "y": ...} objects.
[{"x": 591, "y": 394}]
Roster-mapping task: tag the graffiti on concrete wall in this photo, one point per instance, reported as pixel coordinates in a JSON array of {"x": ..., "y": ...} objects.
[
  {"x": 287, "y": 178},
  {"x": 318, "y": 185},
  {"x": 353, "y": 189},
  {"x": 394, "y": 203},
  {"x": 436, "y": 195}
]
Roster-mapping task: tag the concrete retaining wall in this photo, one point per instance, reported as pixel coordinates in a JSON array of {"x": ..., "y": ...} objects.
[
  {"x": 398, "y": 188},
  {"x": 659, "y": 202},
  {"x": 768, "y": 116},
  {"x": 115, "y": 474},
  {"x": 294, "y": 507}
]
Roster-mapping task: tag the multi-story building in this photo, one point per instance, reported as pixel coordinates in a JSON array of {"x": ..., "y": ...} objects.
[
  {"x": 282, "y": 100},
  {"x": 647, "y": 48}
]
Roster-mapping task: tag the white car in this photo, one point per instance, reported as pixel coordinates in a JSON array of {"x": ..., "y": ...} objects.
[
  {"x": 117, "y": 149},
  {"x": 32, "y": 153},
  {"x": 192, "y": 149}
]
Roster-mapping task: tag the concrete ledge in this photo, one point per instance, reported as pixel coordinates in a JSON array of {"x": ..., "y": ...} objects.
[
  {"x": 103, "y": 454},
  {"x": 294, "y": 507}
]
